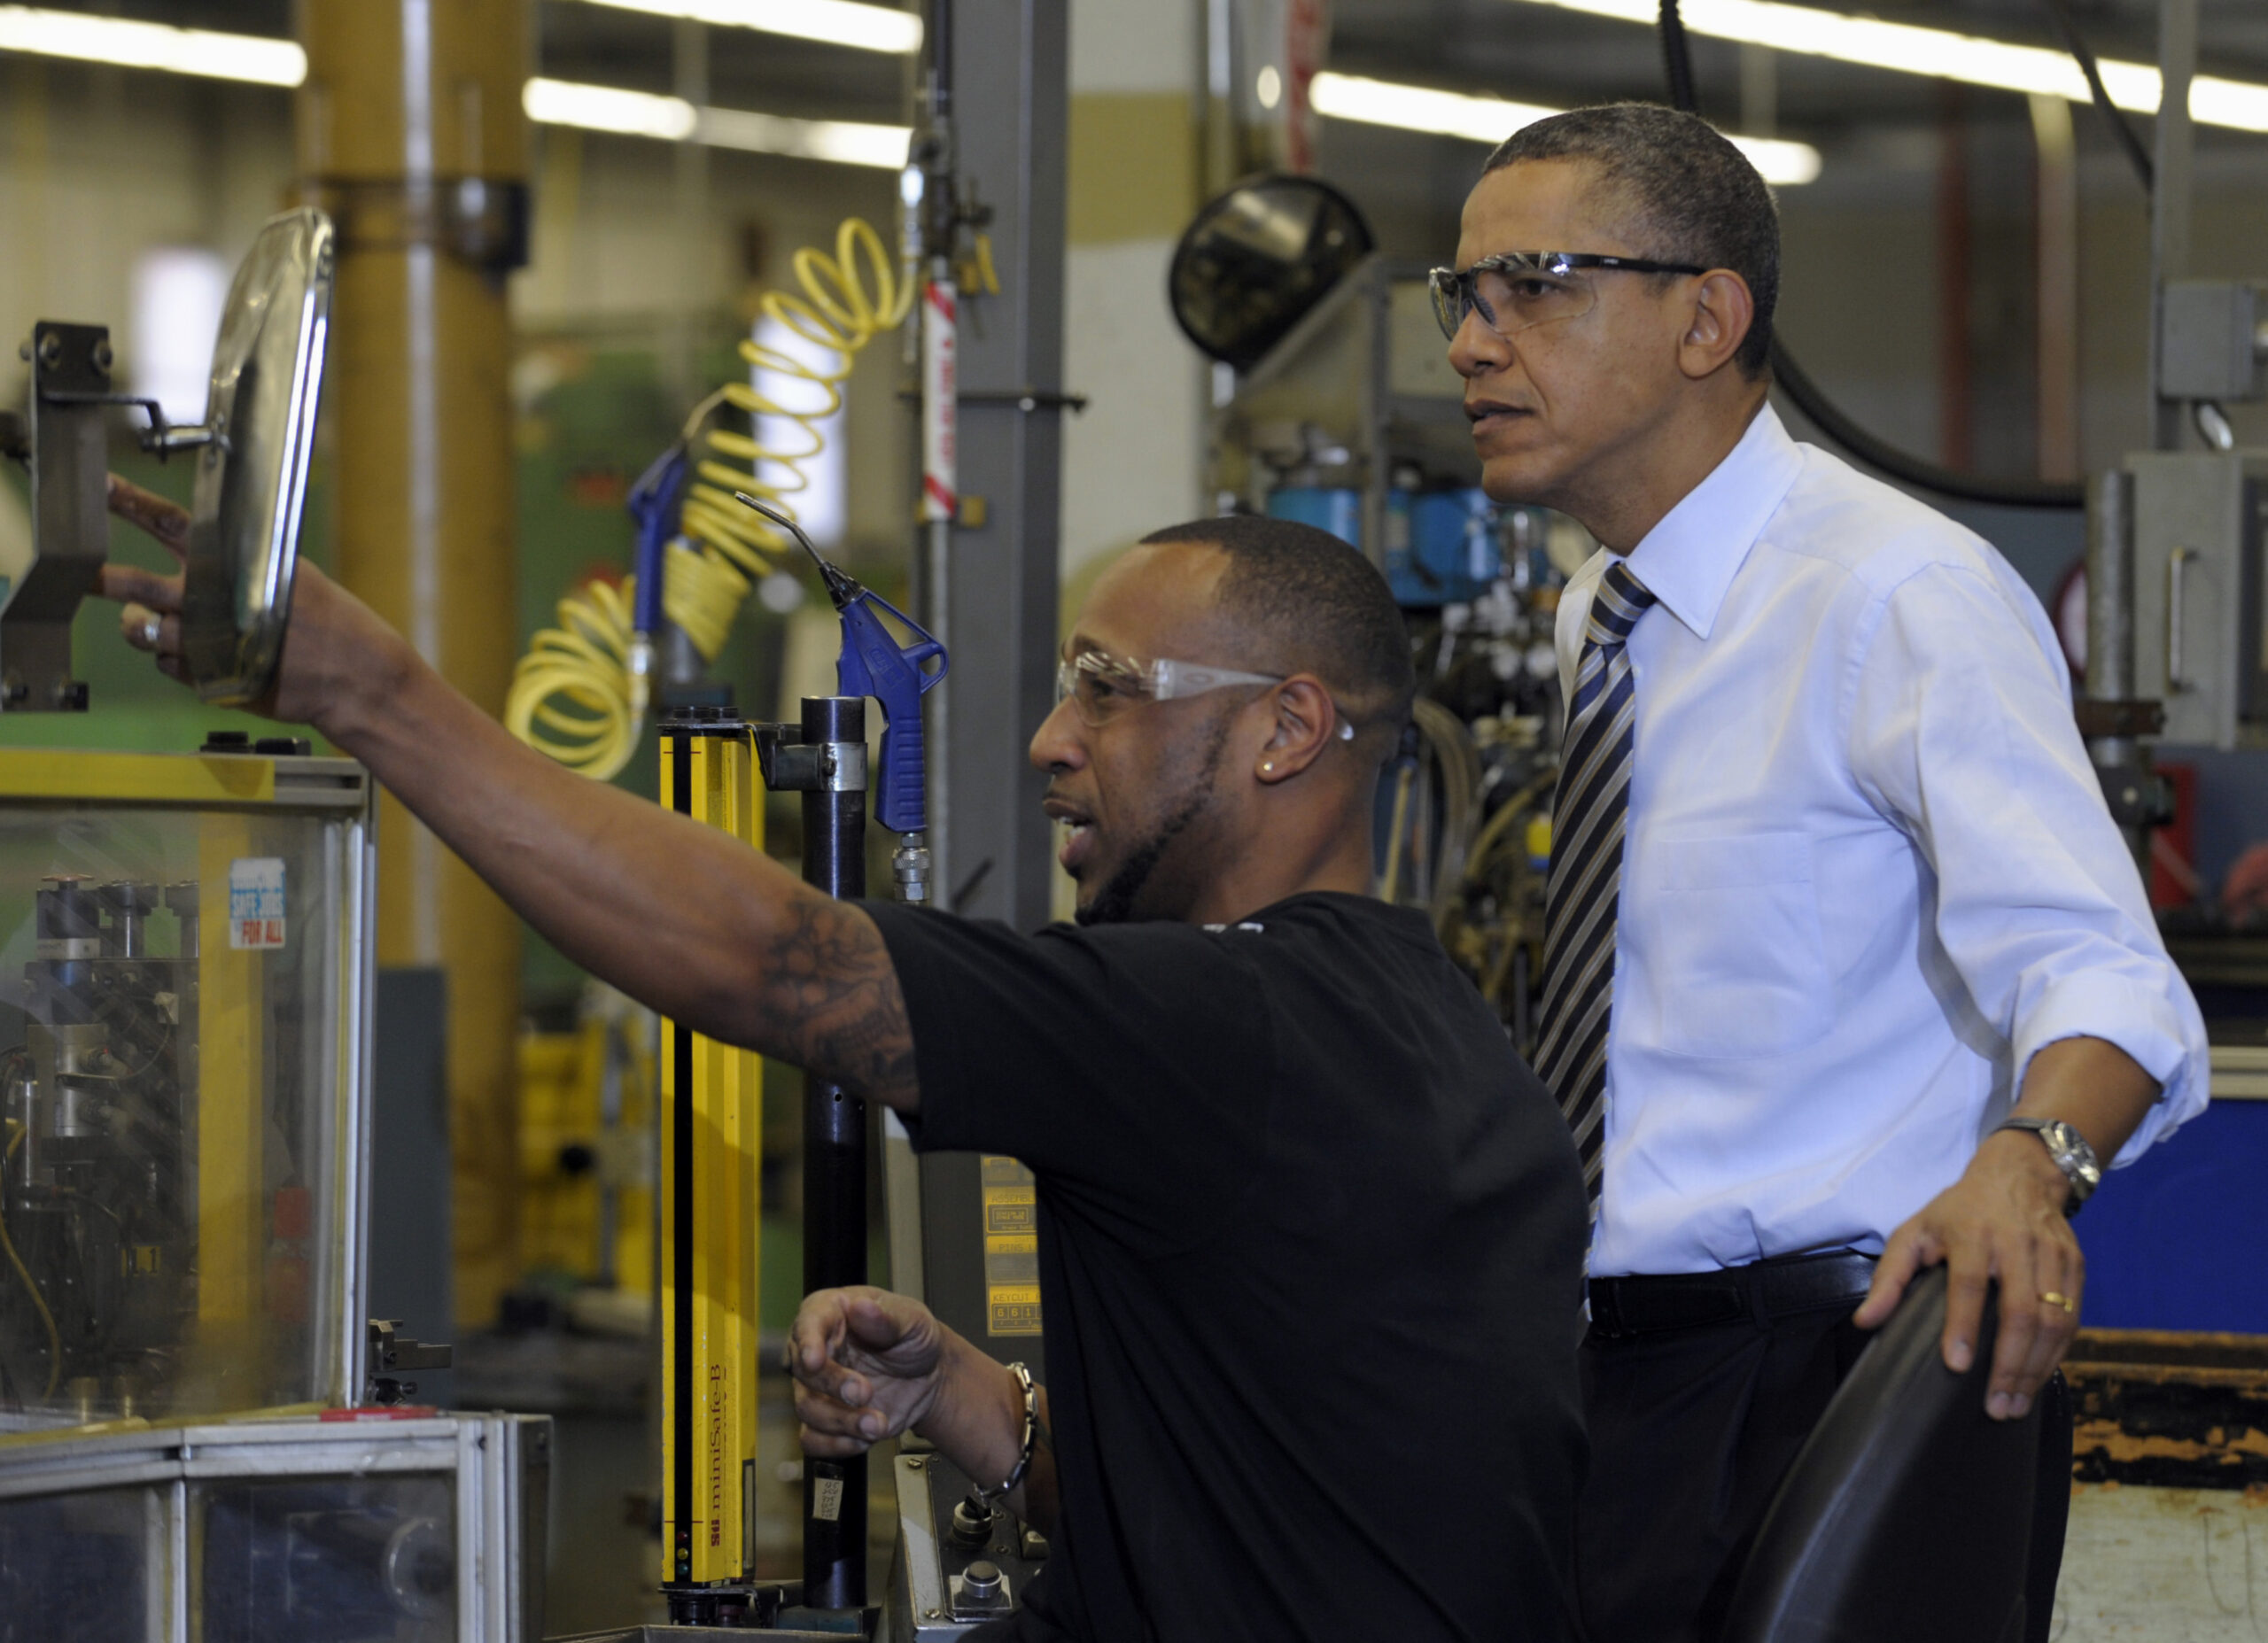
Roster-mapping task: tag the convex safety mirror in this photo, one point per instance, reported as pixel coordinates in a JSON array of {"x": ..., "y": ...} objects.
[
  {"x": 1257, "y": 260},
  {"x": 251, "y": 454}
]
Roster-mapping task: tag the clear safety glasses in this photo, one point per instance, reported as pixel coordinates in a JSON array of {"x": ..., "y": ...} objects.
[
  {"x": 1518, "y": 290},
  {"x": 1099, "y": 687}
]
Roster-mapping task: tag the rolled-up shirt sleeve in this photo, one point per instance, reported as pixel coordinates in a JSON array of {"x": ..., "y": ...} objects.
[{"x": 1961, "y": 732}]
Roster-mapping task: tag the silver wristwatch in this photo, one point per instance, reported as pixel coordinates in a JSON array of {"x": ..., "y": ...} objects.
[{"x": 2071, "y": 1154}]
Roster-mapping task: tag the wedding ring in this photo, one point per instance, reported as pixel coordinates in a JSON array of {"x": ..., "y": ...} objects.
[{"x": 2056, "y": 1298}]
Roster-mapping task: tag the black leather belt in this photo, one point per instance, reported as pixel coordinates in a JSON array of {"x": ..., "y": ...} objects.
[{"x": 1759, "y": 1292}]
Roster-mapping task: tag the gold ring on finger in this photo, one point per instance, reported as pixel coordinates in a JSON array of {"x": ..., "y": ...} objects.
[{"x": 2056, "y": 1298}]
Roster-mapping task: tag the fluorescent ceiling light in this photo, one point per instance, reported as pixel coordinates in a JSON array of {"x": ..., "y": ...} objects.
[
  {"x": 845, "y": 141},
  {"x": 1491, "y": 119},
  {"x": 1808, "y": 31},
  {"x": 113, "y": 40},
  {"x": 673, "y": 120},
  {"x": 837, "y": 22},
  {"x": 605, "y": 108}
]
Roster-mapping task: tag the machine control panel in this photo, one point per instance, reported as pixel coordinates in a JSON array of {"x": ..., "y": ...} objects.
[{"x": 958, "y": 1563}]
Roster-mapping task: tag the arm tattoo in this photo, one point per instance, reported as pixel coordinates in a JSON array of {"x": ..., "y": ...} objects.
[{"x": 835, "y": 1006}]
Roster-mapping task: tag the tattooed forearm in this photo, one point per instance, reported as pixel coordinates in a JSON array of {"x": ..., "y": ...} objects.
[{"x": 832, "y": 1002}]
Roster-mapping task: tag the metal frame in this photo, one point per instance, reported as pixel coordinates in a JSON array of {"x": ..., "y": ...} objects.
[
  {"x": 1001, "y": 594},
  {"x": 256, "y": 783},
  {"x": 500, "y": 1465}
]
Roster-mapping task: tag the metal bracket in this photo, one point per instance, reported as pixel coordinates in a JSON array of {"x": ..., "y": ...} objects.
[
  {"x": 1021, "y": 399},
  {"x": 817, "y": 767},
  {"x": 390, "y": 1353},
  {"x": 2137, "y": 797},
  {"x": 2101, "y": 718}
]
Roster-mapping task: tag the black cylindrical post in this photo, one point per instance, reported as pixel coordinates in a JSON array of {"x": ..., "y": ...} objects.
[{"x": 835, "y": 1148}]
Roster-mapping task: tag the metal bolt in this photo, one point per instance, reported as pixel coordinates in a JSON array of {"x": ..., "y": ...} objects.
[
  {"x": 913, "y": 1463},
  {"x": 103, "y": 357},
  {"x": 932, "y": 1614},
  {"x": 51, "y": 350}
]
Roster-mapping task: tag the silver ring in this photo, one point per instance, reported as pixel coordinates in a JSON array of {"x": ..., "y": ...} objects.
[{"x": 152, "y": 626}]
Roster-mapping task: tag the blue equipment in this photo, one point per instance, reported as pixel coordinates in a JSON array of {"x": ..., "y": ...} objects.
[
  {"x": 653, "y": 504},
  {"x": 1441, "y": 546},
  {"x": 872, "y": 663}
]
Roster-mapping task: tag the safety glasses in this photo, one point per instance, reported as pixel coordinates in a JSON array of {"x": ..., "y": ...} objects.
[
  {"x": 1517, "y": 291},
  {"x": 1099, "y": 687}
]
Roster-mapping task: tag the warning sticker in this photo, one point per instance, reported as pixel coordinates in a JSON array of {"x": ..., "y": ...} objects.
[
  {"x": 256, "y": 902},
  {"x": 1011, "y": 1248},
  {"x": 827, "y": 1500}
]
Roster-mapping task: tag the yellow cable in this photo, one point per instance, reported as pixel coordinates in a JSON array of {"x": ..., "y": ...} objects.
[
  {"x": 573, "y": 696},
  {"x": 54, "y": 1337}
]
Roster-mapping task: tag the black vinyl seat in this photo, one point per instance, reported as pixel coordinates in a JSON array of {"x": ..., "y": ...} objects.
[{"x": 1910, "y": 1516}]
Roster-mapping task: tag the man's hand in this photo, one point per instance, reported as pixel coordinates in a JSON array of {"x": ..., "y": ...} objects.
[
  {"x": 2003, "y": 1221},
  {"x": 336, "y": 651},
  {"x": 868, "y": 1365}
]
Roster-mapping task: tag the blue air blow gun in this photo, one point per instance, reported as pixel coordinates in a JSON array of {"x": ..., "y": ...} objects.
[
  {"x": 653, "y": 504},
  {"x": 872, "y": 662}
]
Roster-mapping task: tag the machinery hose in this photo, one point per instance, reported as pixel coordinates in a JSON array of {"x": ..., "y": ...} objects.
[
  {"x": 47, "y": 1318},
  {"x": 575, "y": 695}
]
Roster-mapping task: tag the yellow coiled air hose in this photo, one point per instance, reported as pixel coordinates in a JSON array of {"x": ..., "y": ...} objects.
[{"x": 575, "y": 695}]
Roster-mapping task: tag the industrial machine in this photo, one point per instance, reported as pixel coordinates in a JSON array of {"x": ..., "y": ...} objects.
[{"x": 202, "y": 1433}]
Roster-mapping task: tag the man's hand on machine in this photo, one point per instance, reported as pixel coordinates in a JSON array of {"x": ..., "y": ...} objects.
[
  {"x": 336, "y": 651},
  {"x": 2003, "y": 1222},
  {"x": 868, "y": 1365}
]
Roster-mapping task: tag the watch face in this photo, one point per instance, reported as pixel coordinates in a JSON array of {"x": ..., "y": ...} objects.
[{"x": 2072, "y": 1156}]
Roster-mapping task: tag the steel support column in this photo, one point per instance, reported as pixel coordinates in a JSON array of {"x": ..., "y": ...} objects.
[
  {"x": 411, "y": 135},
  {"x": 1010, "y": 98},
  {"x": 1011, "y": 73}
]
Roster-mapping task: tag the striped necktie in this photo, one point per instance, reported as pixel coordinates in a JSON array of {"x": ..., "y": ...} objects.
[{"x": 1587, "y": 867}]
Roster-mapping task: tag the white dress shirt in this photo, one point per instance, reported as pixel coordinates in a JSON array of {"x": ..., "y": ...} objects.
[{"x": 1868, "y": 871}]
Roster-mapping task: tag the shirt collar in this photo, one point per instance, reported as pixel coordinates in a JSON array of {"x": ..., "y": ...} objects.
[{"x": 1687, "y": 560}]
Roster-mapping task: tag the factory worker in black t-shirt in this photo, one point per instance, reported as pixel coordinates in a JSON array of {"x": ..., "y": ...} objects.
[
  {"x": 1309, "y": 1230},
  {"x": 1309, "y": 1233}
]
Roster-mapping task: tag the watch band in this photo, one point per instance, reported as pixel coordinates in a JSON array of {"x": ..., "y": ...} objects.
[{"x": 2069, "y": 1152}]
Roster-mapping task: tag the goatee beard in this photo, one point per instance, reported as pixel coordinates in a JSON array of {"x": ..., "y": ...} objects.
[{"x": 1113, "y": 903}]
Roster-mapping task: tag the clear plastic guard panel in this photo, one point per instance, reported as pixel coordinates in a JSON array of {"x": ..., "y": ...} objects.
[
  {"x": 84, "y": 1569},
  {"x": 177, "y": 1057},
  {"x": 345, "y": 1559}
]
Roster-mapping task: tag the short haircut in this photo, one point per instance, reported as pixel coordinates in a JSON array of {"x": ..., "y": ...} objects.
[
  {"x": 1317, "y": 606},
  {"x": 1693, "y": 195}
]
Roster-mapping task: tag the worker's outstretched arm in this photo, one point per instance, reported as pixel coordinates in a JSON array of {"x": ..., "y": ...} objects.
[
  {"x": 679, "y": 915},
  {"x": 869, "y": 1365}
]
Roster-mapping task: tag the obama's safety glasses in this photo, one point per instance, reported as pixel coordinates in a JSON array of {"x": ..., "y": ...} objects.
[
  {"x": 1518, "y": 290},
  {"x": 1100, "y": 686}
]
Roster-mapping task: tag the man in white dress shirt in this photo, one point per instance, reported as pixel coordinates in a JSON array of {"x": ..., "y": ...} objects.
[{"x": 1835, "y": 893}]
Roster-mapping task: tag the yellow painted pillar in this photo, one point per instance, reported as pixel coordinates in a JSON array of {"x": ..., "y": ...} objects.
[{"x": 411, "y": 135}]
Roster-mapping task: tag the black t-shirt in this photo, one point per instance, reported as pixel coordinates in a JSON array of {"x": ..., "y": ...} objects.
[{"x": 1310, "y": 1243}]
